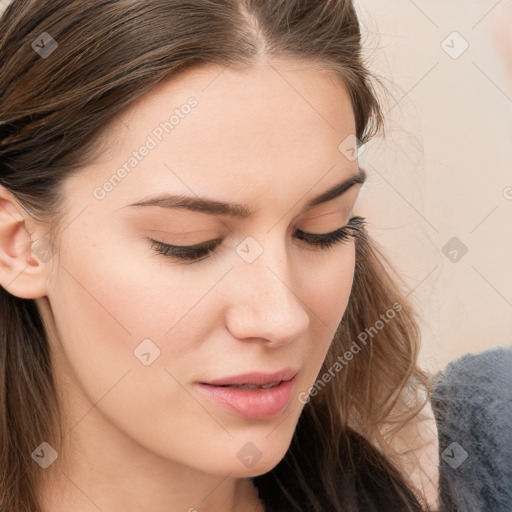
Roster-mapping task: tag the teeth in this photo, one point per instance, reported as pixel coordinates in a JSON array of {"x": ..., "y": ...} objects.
[{"x": 254, "y": 386}]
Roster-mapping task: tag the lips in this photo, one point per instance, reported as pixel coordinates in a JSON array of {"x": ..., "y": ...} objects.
[
  {"x": 257, "y": 379},
  {"x": 254, "y": 396}
]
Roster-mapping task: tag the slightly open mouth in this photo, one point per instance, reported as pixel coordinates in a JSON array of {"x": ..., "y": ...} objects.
[
  {"x": 252, "y": 386},
  {"x": 251, "y": 401}
]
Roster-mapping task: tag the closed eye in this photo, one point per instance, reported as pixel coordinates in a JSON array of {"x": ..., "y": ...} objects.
[{"x": 193, "y": 253}]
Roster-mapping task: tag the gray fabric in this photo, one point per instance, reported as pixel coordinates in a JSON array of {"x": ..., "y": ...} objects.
[{"x": 472, "y": 402}]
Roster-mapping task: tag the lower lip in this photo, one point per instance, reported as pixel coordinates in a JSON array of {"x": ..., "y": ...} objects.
[{"x": 253, "y": 404}]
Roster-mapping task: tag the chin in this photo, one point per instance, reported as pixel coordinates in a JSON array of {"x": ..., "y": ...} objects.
[
  {"x": 249, "y": 459},
  {"x": 258, "y": 469}
]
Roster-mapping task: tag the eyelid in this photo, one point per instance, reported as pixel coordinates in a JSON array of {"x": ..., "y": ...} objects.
[
  {"x": 338, "y": 216},
  {"x": 354, "y": 228},
  {"x": 216, "y": 241},
  {"x": 326, "y": 214},
  {"x": 203, "y": 245},
  {"x": 162, "y": 232}
]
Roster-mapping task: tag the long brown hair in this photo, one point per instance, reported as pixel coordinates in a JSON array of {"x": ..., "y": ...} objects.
[{"x": 53, "y": 111}]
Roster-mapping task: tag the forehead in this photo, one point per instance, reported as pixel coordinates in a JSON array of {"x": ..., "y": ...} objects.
[
  {"x": 277, "y": 125},
  {"x": 287, "y": 99}
]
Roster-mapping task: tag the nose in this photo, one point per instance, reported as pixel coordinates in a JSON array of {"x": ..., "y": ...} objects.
[{"x": 265, "y": 306}]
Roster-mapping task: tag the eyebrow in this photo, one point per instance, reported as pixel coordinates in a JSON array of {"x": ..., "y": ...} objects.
[{"x": 212, "y": 207}]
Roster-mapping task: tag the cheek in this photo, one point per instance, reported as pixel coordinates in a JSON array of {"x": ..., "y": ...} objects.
[
  {"x": 106, "y": 300},
  {"x": 329, "y": 289}
]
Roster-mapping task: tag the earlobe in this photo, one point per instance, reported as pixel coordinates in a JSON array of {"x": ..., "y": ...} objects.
[{"x": 21, "y": 271}]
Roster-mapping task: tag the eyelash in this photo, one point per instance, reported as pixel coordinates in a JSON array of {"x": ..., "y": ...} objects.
[{"x": 353, "y": 229}]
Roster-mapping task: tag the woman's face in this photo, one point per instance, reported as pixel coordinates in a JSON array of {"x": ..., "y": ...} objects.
[{"x": 138, "y": 331}]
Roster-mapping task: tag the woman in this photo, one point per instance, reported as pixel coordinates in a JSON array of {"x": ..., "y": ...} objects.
[{"x": 193, "y": 318}]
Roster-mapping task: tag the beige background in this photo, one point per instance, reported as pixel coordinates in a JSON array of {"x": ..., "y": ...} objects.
[{"x": 444, "y": 167}]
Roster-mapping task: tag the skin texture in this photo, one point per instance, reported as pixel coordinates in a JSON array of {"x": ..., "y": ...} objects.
[
  {"x": 143, "y": 437},
  {"x": 253, "y": 139}
]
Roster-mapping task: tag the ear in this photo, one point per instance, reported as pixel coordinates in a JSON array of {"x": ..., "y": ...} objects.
[{"x": 22, "y": 262}]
